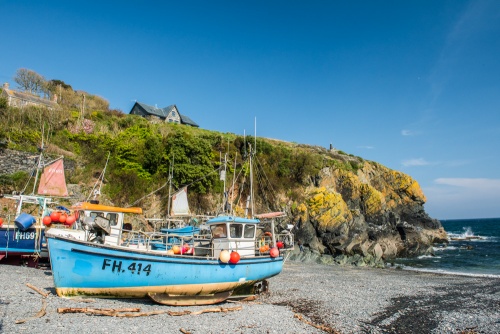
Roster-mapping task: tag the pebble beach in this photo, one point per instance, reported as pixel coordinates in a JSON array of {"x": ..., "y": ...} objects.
[{"x": 304, "y": 298}]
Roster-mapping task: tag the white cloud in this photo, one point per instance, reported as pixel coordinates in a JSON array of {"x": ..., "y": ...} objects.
[
  {"x": 407, "y": 133},
  {"x": 471, "y": 183},
  {"x": 415, "y": 162},
  {"x": 368, "y": 147}
]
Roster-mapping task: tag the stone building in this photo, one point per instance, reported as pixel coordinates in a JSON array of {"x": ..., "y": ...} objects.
[
  {"x": 168, "y": 114},
  {"x": 20, "y": 100}
]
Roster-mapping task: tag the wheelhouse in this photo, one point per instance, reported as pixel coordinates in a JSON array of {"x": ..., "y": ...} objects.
[{"x": 233, "y": 234}]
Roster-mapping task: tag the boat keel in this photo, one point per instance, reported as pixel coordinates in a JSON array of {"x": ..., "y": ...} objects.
[{"x": 186, "y": 300}]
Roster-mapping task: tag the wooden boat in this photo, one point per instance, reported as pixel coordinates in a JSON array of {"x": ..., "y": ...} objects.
[{"x": 234, "y": 259}]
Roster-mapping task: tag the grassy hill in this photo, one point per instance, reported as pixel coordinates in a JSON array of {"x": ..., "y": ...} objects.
[{"x": 340, "y": 204}]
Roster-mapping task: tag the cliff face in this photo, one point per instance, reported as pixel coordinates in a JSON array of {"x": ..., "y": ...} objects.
[{"x": 370, "y": 215}]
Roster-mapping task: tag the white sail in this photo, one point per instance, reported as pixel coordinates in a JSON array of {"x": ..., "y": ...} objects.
[{"x": 180, "y": 206}]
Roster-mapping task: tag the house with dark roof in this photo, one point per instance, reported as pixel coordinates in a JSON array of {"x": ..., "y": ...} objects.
[
  {"x": 168, "y": 114},
  {"x": 23, "y": 99}
]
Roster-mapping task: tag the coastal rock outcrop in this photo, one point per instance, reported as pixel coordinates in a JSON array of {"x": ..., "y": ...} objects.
[{"x": 366, "y": 216}]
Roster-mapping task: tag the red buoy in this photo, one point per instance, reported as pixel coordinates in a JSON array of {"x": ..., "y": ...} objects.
[
  {"x": 70, "y": 220},
  {"x": 54, "y": 216},
  {"x": 274, "y": 252},
  {"x": 280, "y": 244},
  {"x": 234, "y": 257},
  {"x": 63, "y": 217},
  {"x": 1, "y": 221},
  {"x": 47, "y": 220}
]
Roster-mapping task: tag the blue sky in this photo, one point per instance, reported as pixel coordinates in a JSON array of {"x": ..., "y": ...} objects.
[{"x": 413, "y": 85}]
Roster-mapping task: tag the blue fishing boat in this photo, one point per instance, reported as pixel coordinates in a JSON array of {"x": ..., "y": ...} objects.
[
  {"x": 171, "y": 266},
  {"x": 22, "y": 239},
  {"x": 234, "y": 259}
]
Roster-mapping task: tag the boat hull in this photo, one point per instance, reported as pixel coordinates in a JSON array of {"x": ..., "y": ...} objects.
[
  {"x": 21, "y": 247},
  {"x": 87, "y": 269}
]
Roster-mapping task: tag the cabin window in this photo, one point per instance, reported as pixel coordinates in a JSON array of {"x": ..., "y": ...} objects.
[
  {"x": 235, "y": 230},
  {"x": 249, "y": 231},
  {"x": 97, "y": 214},
  {"x": 219, "y": 231},
  {"x": 113, "y": 218}
]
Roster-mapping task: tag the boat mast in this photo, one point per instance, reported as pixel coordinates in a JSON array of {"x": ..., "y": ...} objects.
[
  {"x": 234, "y": 180},
  {"x": 99, "y": 181},
  {"x": 170, "y": 176},
  {"x": 252, "y": 152},
  {"x": 40, "y": 163},
  {"x": 251, "y": 180},
  {"x": 223, "y": 178}
]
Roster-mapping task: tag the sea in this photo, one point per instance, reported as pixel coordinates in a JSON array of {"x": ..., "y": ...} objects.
[{"x": 473, "y": 250}]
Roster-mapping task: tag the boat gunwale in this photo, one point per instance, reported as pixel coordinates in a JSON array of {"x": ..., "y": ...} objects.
[{"x": 163, "y": 258}]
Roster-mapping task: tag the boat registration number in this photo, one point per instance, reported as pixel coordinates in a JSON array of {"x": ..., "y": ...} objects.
[
  {"x": 119, "y": 267},
  {"x": 25, "y": 235}
]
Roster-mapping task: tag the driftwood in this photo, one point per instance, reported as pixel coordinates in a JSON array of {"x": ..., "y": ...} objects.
[
  {"x": 327, "y": 329},
  {"x": 217, "y": 309},
  {"x": 120, "y": 312},
  {"x": 92, "y": 310},
  {"x": 43, "y": 293},
  {"x": 184, "y": 331},
  {"x": 40, "y": 313}
]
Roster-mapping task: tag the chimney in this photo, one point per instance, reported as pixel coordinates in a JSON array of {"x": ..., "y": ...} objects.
[{"x": 6, "y": 85}]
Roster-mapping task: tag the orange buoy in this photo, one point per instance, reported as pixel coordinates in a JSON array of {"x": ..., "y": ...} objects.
[
  {"x": 234, "y": 257},
  {"x": 62, "y": 218},
  {"x": 176, "y": 249},
  {"x": 274, "y": 252},
  {"x": 224, "y": 256},
  {"x": 47, "y": 220}
]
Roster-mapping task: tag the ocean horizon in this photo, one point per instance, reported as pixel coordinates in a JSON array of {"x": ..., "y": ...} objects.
[{"x": 473, "y": 250}]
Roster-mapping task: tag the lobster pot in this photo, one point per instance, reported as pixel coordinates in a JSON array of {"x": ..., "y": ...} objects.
[{"x": 24, "y": 221}]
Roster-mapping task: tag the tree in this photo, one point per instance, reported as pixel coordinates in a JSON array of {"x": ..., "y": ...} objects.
[{"x": 30, "y": 81}]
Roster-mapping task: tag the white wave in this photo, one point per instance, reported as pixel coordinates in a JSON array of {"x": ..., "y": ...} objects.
[
  {"x": 444, "y": 272},
  {"x": 442, "y": 249},
  {"x": 428, "y": 257}
]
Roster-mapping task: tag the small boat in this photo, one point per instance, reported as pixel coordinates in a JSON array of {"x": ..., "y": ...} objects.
[
  {"x": 232, "y": 261},
  {"x": 22, "y": 237}
]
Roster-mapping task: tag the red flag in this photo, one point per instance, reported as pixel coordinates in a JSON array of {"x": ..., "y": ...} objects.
[{"x": 52, "y": 181}]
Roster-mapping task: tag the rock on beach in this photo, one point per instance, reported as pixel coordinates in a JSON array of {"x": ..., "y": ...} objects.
[{"x": 304, "y": 298}]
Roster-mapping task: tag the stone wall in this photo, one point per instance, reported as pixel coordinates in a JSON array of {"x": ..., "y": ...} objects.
[
  {"x": 15, "y": 161},
  {"x": 12, "y": 161}
]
